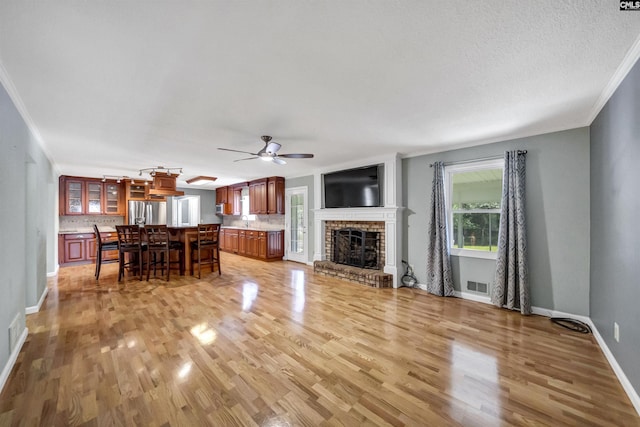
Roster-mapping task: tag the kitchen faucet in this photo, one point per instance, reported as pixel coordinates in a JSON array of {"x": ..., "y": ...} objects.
[{"x": 245, "y": 218}]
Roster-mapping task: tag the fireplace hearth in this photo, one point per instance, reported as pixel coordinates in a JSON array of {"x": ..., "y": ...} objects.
[{"x": 356, "y": 247}]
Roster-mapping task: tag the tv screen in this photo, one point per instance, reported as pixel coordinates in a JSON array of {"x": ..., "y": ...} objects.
[{"x": 353, "y": 188}]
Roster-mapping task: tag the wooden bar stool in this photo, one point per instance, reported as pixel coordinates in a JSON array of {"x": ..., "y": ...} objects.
[
  {"x": 103, "y": 246},
  {"x": 130, "y": 242},
  {"x": 159, "y": 249},
  {"x": 207, "y": 241}
]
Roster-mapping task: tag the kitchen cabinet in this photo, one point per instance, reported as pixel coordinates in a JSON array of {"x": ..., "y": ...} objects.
[
  {"x": 275, "y": 244},
  {"x": 242, "y": 242},
  {"x": 251, "y": 243},
  {"x": 224, "y": 197},
  {"x": 113, "y": 200},
  {"x": 221, "y": 195},
  {"x": 258, "y": 196},
  {"x": 266, "y": 196},
  {"x": 82, "y": 248},
  {"x": 231, "y": 240},
  {"x": 72, "y": 194},
  {"x": 275, "y": 195},
  {"x": 139, "y": 190},
  {"x": 260, "y": 244},
  {"x": 90, "y": 196}
]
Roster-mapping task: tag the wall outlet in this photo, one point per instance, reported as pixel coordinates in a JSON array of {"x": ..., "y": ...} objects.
[{"x": 616, "y": 331}]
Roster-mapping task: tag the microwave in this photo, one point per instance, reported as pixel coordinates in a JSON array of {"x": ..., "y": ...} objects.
[{"x": 220, "y": 208}]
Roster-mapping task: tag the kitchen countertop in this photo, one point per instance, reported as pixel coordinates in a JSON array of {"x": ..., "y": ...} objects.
[
  {"x": 107, "y": 229},
  {"x": 251, "y": 228},
  {"x": 87, "y": 230}
]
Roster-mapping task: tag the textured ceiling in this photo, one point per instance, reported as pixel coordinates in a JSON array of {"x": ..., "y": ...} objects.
[{"x": 112, "y": 87}]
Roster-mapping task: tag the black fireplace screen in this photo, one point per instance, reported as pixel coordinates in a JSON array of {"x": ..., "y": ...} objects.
[{"x": 352, "y": 246}]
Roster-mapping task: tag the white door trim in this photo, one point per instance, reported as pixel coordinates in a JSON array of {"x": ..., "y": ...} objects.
[{"x": 303, "y": 258}]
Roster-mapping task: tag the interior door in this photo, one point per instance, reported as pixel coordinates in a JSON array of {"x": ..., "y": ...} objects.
[{"x": 296, "y": 236}]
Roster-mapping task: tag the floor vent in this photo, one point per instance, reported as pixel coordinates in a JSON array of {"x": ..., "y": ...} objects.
[{"x": 477, "y": 286}]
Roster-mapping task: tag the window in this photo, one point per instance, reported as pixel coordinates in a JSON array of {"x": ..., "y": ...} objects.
[{"x": 474, "y": 192}]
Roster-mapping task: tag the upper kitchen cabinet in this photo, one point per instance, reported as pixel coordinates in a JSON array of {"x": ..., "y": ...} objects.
[
  {"x": 224, "y": 199},
  {"x": 139, "y": 190},
  {"x": 275, "y": 195},
  {"x": 266, "y": 196},
  {"x": 221, "y": 195},
  {"x": 258, "y": 196},
  {"x": 89, "y": 196}
]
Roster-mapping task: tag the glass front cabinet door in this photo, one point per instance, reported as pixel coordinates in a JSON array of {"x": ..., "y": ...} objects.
[{"x": 94, "y": 197}]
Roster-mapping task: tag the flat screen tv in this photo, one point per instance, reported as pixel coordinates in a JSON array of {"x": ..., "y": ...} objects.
[{"x": 354, "y": 188}]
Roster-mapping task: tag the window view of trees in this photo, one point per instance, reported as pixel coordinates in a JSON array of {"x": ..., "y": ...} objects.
[
  {"x": 474, "y": 210},
  {"x": 478, "y": 230}
]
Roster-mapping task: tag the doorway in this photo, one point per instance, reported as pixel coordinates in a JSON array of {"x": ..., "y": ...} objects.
[{"x": 295, "y": 230}]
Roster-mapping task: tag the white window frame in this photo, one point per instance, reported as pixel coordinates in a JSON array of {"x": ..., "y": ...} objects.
[{"x": 449, "y": 171}]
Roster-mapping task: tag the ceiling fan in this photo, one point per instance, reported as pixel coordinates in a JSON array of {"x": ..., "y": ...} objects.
[{"x": 269, "y": 153}]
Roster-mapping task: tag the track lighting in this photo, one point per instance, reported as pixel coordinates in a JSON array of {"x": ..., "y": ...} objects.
[{"x": 161, "y": 169}]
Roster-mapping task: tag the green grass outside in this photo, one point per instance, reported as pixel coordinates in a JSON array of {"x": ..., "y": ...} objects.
[{"x": 480, "y": 248}]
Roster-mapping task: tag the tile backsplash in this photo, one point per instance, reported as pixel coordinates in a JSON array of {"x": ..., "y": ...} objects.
[
  {"x": 72, "y": 222},
  {"x": 263, "y": 222}
]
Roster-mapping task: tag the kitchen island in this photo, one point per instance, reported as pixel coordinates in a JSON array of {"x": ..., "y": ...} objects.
[{"x": 78, "y": 246}]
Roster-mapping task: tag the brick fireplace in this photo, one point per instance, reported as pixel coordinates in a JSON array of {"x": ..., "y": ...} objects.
[
  {"x": 386, "y": 220},
  {"x": 367, "y": 226}
]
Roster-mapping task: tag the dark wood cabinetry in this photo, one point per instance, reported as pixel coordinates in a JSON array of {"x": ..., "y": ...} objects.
[
  {"x": 275, "y": 195},
  {"x": 266, "y": 245},
  {"x": 230, "y": 242},
  {"x": 221, "y": 195},
  {"x": 139, "y": 190},
  {"x": 90, "y": 196},
  {"x": 258, "y": 196},
  {"x": 266, "y": 196},
  {"x": 81, "y": 248}
]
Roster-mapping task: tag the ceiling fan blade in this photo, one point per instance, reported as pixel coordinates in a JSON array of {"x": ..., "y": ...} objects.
[
  {"x": 297, "y": 156},
  {"x": 238, "y": 151},
  {"x": 272, "y": 147},
  {"x": 278, "y": 161},
  {"x": 246, "y": 158}
]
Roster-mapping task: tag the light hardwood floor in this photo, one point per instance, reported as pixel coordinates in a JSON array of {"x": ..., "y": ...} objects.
[{"x": 272, "y": 344}]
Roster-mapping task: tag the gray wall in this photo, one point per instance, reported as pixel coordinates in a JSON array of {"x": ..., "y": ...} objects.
[
  {"x": 306, "y": 181},
  {"x": 207, "y": 205},
  {"x": 27, "y": 221},
  {"x": 557, "y": 217},
  {"x": 615, "y": 237}
]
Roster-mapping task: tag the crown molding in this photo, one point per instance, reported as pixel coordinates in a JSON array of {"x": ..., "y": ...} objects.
[{"x": 621, "y": 72}]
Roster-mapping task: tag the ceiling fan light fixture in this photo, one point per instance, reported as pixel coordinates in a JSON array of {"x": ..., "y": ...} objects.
[{"x": 266, "y": 158}]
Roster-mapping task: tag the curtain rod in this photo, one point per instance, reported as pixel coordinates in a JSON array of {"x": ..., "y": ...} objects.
[{"x": 460, "y": 162}]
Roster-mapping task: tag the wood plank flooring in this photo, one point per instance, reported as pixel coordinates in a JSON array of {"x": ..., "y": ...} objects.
[{"x": 272, "y": 344}]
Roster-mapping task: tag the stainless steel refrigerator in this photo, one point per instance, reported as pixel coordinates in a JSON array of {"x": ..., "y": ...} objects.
[{"x": 141, "y": 212}]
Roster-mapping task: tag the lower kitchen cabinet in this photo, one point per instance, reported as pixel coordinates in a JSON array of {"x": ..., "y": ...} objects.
[
  {"x": 81, "y": 248},
  {"x": 265, "y": 245}
]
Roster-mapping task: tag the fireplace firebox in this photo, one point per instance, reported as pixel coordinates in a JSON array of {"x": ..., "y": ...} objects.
[{"x": 359, "y": 248}]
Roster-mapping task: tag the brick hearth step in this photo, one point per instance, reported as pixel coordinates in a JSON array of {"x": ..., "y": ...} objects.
[{"x": 364, "y": 276}]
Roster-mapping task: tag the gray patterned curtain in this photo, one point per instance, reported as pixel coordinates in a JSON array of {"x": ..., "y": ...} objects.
[
  {"x": 439, "y": 279},
  {"x": 511, "y": 287}
]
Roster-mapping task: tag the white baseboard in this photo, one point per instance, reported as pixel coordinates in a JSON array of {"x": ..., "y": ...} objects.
[
  {"x": 55, "y": 272},
  {"x": 12, "y": 358},
  {"x": 473, "y": 297},
  {"x": 626, "y": 384},
  {"x": 36, "y": 308}
]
